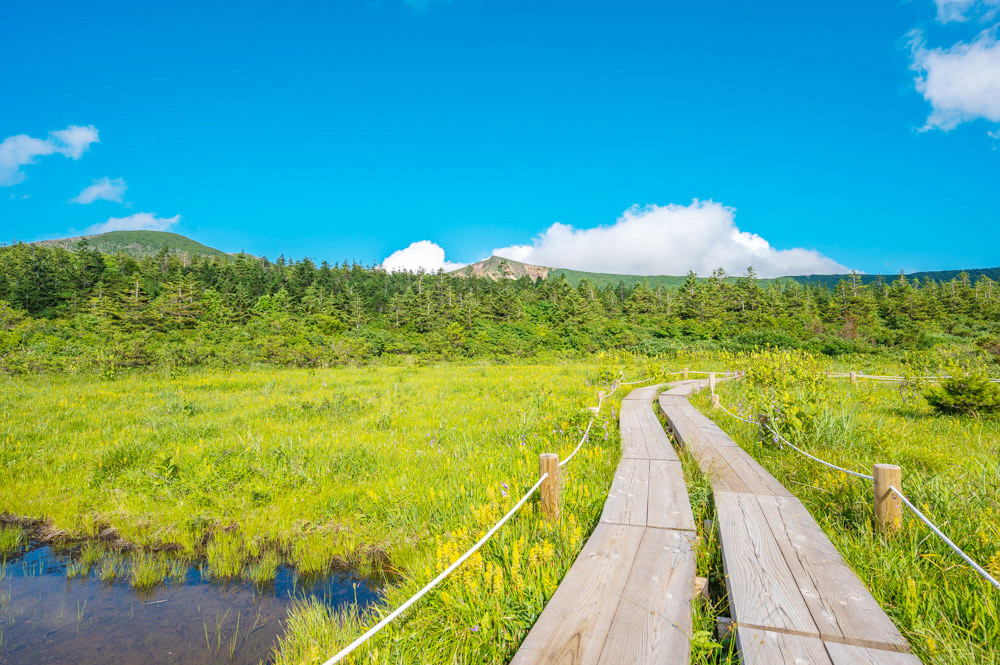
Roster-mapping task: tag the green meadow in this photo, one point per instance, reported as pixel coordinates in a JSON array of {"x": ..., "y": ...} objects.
[
  {"x": 395, "y": 470},
  {"x": 951, "y": 469}
]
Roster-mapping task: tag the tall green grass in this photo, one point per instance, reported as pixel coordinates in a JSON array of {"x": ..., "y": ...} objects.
[{"x": 951, "y": 468}]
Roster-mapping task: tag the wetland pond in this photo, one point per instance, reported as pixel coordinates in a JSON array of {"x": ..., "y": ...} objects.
[{"x": 48, "y": 617}]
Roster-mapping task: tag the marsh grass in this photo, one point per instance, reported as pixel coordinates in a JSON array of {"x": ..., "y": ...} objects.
[
  {"x": 951, "y": 468},
  {"x": 391, "y": 469},
  {"x": 12, "y": 539}
]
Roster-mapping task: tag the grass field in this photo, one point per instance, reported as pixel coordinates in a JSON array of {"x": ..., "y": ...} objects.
[
  {"x": 400, "y": 469},
  {"x": 951, "y": 468},
  {"x": 391, "y": 468}
]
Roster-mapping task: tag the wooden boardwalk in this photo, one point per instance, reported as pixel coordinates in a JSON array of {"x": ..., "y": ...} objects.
[
  {"x": 627, "y": 598},
  {"x": 794, "y": 600}
]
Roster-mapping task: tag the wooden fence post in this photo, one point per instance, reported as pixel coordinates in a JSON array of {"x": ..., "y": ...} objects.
[
  {"x": 685, "y": 374},
  {"x": 854, "y": 377},
  {"x": 711, "y": 382},
  {"x": 888, "y": 507},
  {"x": 549, "y": 463},
  {"x": 715, "y": 402},
  {"x": 600, "y": 396}
]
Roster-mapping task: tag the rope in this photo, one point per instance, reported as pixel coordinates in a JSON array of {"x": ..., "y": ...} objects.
[
  {"x": 909, "y": 504},
  {"x": 796, "y": 448},
  {"x": 979, "y": 569},
  {"x": 343, "y": 653},
  {"x": 879, "y": 377},
  {"x": 346, "y": 651}
]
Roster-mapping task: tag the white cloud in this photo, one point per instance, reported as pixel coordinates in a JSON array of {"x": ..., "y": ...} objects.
[
  {"x": 21, "y": 149},
  {"x": 140, "y": 221},
  {"x": 962, "y": 82},
  {"x": 104, "y": 189},
  {"x": 963, "y": 10},
  {"x": 421, "y": 255},
  {"x": 668, "y": 240}
]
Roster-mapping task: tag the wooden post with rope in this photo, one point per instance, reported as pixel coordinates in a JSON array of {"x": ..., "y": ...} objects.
[
  {"x": 888, "y": 507},
  {"x": 549, "y": 463},
  {"x": 715, "y": 402},
  {"x": 711, "y": 382},
  {"x": 854, "y": 377},
  {"x": 685, "y": 374}
]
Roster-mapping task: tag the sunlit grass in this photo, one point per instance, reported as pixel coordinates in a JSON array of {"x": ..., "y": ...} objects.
[{"x": 951, "y": 468}]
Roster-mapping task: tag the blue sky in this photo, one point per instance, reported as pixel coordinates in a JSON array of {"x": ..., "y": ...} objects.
[{"x": 648, "y": 137}]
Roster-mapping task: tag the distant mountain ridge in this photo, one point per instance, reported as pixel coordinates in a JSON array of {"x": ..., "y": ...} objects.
[
  {"x": 496, "y": 267},
  {"x": 138, "y": 244}
]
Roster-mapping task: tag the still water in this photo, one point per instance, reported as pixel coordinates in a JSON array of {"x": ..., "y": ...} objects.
[{"x": 47, "y": 618}]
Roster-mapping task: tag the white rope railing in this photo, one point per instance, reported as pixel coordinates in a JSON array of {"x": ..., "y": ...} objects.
[
  {"x": 346, "y": 651},
  {"x": 794, "y": 447},
  {"x": 909, "y": 504},
  {"x": 881, "y": 377},
  {"x": 350, "y": 648},
  {"x": 930, "y": 525}
]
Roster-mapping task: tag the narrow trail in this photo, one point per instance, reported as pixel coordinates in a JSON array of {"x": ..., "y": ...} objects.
[{"x": 627, "y": 598}]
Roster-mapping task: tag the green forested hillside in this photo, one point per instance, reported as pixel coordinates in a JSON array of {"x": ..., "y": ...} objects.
[
  {"x": 138, "y": 244},
  {"x": 62, "y": 310}
]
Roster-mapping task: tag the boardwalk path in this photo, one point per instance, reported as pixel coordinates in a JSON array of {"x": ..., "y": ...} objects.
[
  {"x": 794, "y": 599},
  {"x": 627, "y": 598}
]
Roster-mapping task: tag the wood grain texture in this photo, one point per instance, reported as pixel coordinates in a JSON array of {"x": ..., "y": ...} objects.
[
  {"x": 762, "y": 589},
  {"x": 839, "y": 603},
  {"x": 627, "y": 597},
  {"x": 653, "y": 621},
  {"x": 668, "y": 506},
  {"x": 793, "y": 597},
  {"x": 764, "y": 647},
  {"x": 577, "y": 619},
  {"x": 627, "y": 500},
  {"x": 844, "y": 654}
]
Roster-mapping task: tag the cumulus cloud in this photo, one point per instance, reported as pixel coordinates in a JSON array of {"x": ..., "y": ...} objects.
[
  {"x": 140, "y": 221},
  {"x": 963, "y": 10},
  {"x": 21, "y": 149},
  {"x": 962, "y": 82},
  {"x": 668, "y": 240},
  {"x": 104, "y": 189},
  {"x": 421, "y": 255}
]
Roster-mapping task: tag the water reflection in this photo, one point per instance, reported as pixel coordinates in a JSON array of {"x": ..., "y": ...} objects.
[{"x": 46, "y": 617}]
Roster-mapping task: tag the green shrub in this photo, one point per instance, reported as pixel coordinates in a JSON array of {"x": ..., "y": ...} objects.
[{"x": 971, "y": 394}]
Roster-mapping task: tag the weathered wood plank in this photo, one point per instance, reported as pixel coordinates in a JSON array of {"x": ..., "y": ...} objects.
[
  {"x": 653, "y": 621},
  {"x": 840, "y": 604},
  {"x": 764, "y": 647},
  {"x": 633, "y": 442},
  {"x": 657, "y": 442},
  {"x": 762, "y": 589},
  {"x": 627, "y": 501},
  {"x": 668, "y": 504},
  {"x": 844, "y": 654},
  {"x": 576, "y": 621}
]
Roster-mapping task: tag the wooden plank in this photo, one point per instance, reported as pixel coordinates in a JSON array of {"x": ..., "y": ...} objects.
[
  {"x": 845, "y": 654},
  {"x": 762, "y": 589},
  {"x": 756, "y": 477},
  {"x": 764, "y": 647},
  {"x": 653, "y": 622},
  {"x": 658, "y": 444},
  {"x": 576, "y": 621},
  {"x": 633, "y": 442},
  {"x": 668, "y": 504},
  {"x": 840, "y": 604},
  {"x": 628, "y": 496}
]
